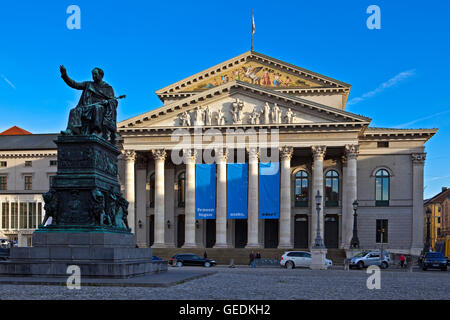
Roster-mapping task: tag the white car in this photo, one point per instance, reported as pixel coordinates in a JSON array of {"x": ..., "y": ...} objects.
[{"x": 294, "y": 259}]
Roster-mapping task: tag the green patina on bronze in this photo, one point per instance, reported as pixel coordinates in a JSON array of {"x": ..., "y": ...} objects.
[{"x": 85, "y": 194}]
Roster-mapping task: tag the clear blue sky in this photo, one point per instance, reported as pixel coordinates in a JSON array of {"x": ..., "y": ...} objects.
[{"x": 399, "y": 74}]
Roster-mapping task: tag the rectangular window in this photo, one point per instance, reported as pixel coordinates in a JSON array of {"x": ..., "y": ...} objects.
[
  {"x": 3, "y": 164},
  {"x": 3, "y": 183},
  {"x": 23, "y": 215},
  {"x": 14, "y": 215},
  {"x": 382, "y": 230},
  {"x": 53, "y": 163},
  {"x": 39, "y": 213},
  {"x": 28, "y": 164},
  {"x": 383, "y": 144},
  {"x": 28, "y": 182},
  {"x": 32, "y": 215},
  {"x": 438, "y": 219},
  {"x": 439, "y": 232},
  {"x": 5, "y": 215}
]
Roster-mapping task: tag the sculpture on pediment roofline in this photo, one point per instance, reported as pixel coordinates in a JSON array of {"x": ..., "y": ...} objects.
[
  {"x": 290, "y": 116},
  {"x": 96, "y": 111},
  {"x": 198, "y": 117},
  {"x": 266, "y": 114},
  {"x": 220, "y": 118},
  {"x": 254, "y": 116},
  {"x": 276, "y": 114},
  {"x": 184, "y": 119},
  {"x": 236, "y": 111},
  {"x": 208, "y": 116}
]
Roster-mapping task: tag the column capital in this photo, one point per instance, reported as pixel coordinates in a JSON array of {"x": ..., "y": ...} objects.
[
  {"x": 159, "y": 154},
  {"x": 318, "y": 152},
  {"x": 129, "y": 155},
  {"x": 189, "y": 155},
  {"x": 286, "y": 152},
  {"x": 253, "y": 153},
  {"x": 351, "y": 151},
  {"x": 418, "y": 158},
  {"x": 221, "y": 154}
]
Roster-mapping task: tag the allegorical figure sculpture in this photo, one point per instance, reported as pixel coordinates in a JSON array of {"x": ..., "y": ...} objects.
[
  {"x": 50, "y": 206},
  {"x": 96, "y": 112}
]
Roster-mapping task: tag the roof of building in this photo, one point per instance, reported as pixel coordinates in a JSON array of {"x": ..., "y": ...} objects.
[
  {"x": 15, "y": 130},
  {"x": 441, "y": 196},
  {"x": 28, "y": 142}
]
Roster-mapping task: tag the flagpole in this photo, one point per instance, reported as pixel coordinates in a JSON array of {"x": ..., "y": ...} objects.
[{"x": 252, "y": 30}]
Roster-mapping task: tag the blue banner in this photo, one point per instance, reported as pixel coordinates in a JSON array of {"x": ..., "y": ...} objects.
[
  {"x": 269, "y": 190},
  {"x": 205, "y": 191},
  {"x": 237, "y": 182}
]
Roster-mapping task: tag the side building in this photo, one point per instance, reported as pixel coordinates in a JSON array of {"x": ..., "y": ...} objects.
[
  {"x": 27, "y": 164},
  {"x": 439, "y": 218}
]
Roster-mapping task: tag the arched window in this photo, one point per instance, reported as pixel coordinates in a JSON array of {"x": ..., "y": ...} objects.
[
  {"x": 332, "y": 188},
  {"x": 382, "y": 178},
  {"x": 181, "y": 189},
  {"x": 152, "y": 190},
  {"x": 301, "y": 189}
]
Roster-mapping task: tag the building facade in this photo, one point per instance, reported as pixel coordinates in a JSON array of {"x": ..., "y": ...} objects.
[
  {"x": 233, "y": 112},
  {"x": 439, "y": 218},
  {"x": 27, "y": 164}
]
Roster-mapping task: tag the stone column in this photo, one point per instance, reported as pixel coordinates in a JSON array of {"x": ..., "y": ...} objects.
[
  {"x": 351, "y": 185},
  {"x": 318, "y": 156},
  {"x": 130, "y": 158},
  {"x": 252, "y": 221},
  {"x": 189, "y": 210},
  {"x": 159, "y": 156},
  {"x": 285, "y": 198},
  {"x": 418, "y": 161},
  {"x": 221, "y": 202}
]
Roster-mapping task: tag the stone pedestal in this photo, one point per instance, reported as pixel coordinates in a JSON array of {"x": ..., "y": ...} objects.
[
  {"x": 318, "y": 257},
  {"x": 99, "y": 255}
]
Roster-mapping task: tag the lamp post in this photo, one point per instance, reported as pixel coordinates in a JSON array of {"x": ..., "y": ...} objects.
[
  {"x": 318, "y": 243},
  {"x": 427, "y": 242},
  {"x": 354, "y": 243}
]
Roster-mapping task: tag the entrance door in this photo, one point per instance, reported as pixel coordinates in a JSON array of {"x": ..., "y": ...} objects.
[
  {"x": 331, "y": 231},
  {"x": 180, "y": 230},
  {"x": 152, "y": 229},
  {"x": 270, "y": 233},
  {"x": 210, "y": 233},
  {"x": 240, "y": 233},
  {"x": 301, "y": 232}
]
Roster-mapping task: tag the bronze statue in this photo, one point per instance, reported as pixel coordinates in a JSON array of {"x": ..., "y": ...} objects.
[
  {"x": 50, "y": 206},
  {"x": 96, "y": 112}
]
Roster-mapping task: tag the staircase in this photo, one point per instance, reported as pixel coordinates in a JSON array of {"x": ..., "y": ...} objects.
[{"x": 223, "y": 256}]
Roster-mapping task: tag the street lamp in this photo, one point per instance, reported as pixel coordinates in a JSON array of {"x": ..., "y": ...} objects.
[
  {"x": 354, "y": 243},
  {"x": 318, "y": 243},
  {"x": 427, "y": 242}
]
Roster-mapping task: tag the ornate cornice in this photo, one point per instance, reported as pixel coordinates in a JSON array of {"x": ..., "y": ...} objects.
[
  {"x": 318, "y": 152},
  {"x": 28, "y": 155}
]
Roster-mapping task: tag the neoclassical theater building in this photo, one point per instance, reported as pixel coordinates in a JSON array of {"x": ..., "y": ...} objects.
[{"x": 320, "y": 147}]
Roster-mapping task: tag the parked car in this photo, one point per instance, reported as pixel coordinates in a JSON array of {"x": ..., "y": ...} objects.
[
  {"x": 370, "y": 258},
  {"x": 295, "y": 259},
  {"x": 155, "y": 258},
  {"x": 434, "y": 260},
  {"x": 189, "y": 259},
  {"x": 5, "y": 243}
]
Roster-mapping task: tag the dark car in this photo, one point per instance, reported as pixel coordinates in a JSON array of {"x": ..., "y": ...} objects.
[
  {"x": 189, "y": 259},
  {"x": 155, "y": 258},
  {"x": 434, "y": 260}
]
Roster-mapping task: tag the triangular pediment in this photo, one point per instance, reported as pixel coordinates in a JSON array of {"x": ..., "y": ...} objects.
[
  {"x": 253, "y": 68},
  {"x": 238, "y": 103}
]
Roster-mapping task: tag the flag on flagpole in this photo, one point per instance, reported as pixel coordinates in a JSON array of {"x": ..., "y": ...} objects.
[{"x": 253, "y": 27}]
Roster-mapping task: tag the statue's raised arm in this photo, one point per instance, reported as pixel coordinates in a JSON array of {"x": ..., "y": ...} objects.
[{"x": 70, "y": 82}]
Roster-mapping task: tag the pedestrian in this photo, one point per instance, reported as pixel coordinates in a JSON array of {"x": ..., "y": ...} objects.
[
  {"x": 258, "y": 255},
  {"x": 252, "y": 259},
  {"x": 402, "y": 261},
  {"x": 205, "y": 255}
]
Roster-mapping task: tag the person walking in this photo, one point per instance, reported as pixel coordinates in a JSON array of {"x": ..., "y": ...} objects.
[
  {"x": 252, "y": 259},
  {"x": 402, "y": 261},
  {"x": 205, "y": 255},
  {"x": 258, "y": 255}
]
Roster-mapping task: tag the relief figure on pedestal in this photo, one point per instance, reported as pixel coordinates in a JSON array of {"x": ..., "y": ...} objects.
[{"x": 50, "y": 206}]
